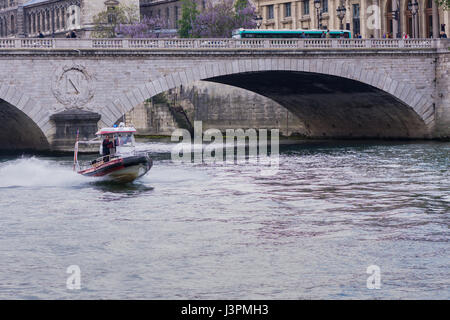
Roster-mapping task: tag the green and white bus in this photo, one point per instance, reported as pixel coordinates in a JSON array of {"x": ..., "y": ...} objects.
[{"x": 289, "y": 34}]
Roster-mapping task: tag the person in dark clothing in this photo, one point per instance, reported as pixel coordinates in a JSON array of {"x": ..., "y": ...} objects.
[
  {"x": 73, "y": 34},
  {"x": 107, "y": 146},
  {"x": 40, "y": 34}
]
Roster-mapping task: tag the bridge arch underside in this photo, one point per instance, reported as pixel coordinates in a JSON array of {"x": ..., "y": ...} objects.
[
  {"x": 18, "y": 131},
  {"x": 334, "y": 107}
]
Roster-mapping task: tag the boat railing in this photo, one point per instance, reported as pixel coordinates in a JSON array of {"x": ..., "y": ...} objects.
[
  {"x": 101, "y": 160},
  {"x": 97, "y": 162}
]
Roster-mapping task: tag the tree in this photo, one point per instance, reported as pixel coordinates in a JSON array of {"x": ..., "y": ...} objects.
[
  {"x": 215, "y": 21},
  {"x": 106, "y": 22},
  {"x": 245, "y": 15},
  {"x": 240, "y": 4},
  {"x": 148, "y": 27},
  {"x": 220, "y": 18},
  {"x": 189, "y": 14},
  {"x": 445, "y": 4}
]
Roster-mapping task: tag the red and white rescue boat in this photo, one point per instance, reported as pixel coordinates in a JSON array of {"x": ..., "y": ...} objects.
[{"x": 119, "y": 161}]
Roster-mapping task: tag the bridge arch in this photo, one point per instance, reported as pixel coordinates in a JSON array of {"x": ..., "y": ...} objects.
[
  {"x": 403, "y": 112},
  {"x": 23, "y": 121}
]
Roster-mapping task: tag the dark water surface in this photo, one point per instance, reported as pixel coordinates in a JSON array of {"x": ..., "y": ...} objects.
[{"x": 189, "y": 231}]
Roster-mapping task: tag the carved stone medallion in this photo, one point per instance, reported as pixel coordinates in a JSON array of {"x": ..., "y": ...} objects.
[{"x": 72, "y": 86}]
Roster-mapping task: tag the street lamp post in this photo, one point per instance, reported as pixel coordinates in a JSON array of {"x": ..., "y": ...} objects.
[
  {"x": 258, "y": 20},
  {"x": 317, "y": 5},
  {"x": 157, "y": 29},
  {"x": 413, "y": 7},
  {"x": 341, "y": 14}
]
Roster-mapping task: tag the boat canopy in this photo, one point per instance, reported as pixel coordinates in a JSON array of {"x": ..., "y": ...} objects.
[{"x": 116, "y": 130}]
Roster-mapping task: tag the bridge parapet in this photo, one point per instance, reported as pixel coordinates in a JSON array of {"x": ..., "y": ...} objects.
[{"x": 183, "y": 44}]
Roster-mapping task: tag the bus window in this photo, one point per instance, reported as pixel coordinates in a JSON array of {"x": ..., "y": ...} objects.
[{"x": 336, "y": 35}]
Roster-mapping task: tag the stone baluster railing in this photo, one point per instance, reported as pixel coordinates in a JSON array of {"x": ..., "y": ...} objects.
[
  {"x": 37, "y": 43},
  {"x": 7, "y": 43},
  {"x": 107, "y": 44},
  {"x": 174, "y": 43},
  {"x": 142, "y": 43}
]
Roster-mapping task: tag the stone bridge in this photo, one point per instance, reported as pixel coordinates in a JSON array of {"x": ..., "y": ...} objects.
[{"x": 340, "y": 88}]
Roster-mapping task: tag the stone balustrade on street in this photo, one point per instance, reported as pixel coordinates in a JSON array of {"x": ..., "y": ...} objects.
[{"x": 183, "y": 44}]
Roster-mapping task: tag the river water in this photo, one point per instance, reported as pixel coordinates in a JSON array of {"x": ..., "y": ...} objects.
[{"x": 214, "y": 231}]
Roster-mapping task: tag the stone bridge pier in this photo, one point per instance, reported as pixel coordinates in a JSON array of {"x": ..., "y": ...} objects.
[{"x": 340, "y": 88}]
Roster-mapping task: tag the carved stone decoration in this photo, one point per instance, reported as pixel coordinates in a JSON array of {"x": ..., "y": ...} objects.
[{"x": 73, "y": 86}]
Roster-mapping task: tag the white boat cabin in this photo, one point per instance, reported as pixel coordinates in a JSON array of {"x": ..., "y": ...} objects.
[{"x": 117, "y": 140}]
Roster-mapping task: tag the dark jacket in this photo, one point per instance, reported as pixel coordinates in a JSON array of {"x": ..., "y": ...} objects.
[{"x": 107, "y": 145}]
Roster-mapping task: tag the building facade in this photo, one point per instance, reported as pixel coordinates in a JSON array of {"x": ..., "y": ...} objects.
[
  {"x": 26, "y": 18},
  {"x": 370, "y": 18},
  {"x": 169, "y": 10}
]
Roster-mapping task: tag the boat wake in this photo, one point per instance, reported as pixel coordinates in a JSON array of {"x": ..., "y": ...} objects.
[{"x": 34, "y": 172}]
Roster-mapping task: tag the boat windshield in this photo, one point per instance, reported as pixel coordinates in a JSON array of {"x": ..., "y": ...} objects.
[
  {"x": 125, "y": 139},
  {"x": 124, "y": 143}
]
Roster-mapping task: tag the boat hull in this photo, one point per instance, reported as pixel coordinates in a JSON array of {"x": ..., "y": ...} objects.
[{"x": 126, "y": 169}]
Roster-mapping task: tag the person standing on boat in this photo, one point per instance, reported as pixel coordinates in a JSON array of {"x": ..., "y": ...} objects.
[{"x": 107, "y": 146}]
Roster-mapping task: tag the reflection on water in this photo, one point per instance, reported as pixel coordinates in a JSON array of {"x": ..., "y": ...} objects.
[
  {"x": 113, "y": 191},
  {"x": 218, "y": 231}
]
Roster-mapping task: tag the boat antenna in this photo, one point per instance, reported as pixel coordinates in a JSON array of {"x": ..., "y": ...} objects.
[{"x": 75, "y": 153}]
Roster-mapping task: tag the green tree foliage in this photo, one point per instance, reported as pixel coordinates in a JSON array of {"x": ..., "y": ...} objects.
[
  {"x": 444, "y": 4},
  {"x": 240, "y": 5},
  {"x": 189, "y": 14},
  {"x": 217, "y": 20},
  {"x": 106, "y": 22}
]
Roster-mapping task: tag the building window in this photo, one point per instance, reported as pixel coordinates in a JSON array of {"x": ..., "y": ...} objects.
[
  {"x": 270, "y": 14},
  {"x": 13, "y": 25},
  {"x": 176, "y": 17},
  {"x": 48, "y": 21},
  {"x": 111, "y": 10},
  {"x": 305, "y": 7},
  {"x": 356, "y": 22},
  {"x": 287, "y": 9},
  {"x": 52, "y": 16},
  {"x": 324, "y": 5},
  {"x": 63, "y": 18}
]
